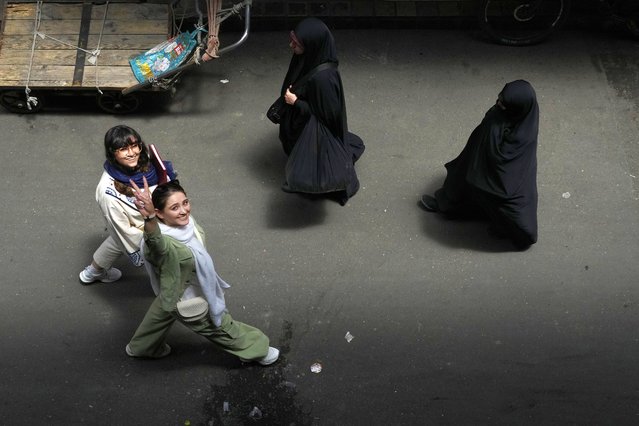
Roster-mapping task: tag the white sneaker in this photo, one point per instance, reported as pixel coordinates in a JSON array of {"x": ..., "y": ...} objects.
[
  {"x": 106, "y": 276},
  {"x": 272, "y": 356}
]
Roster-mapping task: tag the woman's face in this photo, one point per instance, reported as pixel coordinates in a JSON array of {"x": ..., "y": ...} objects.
[
  {"x": 128, "y": 155},
  {"x": 177, "y": 210},
  {"x": 295, "y": 45},
  {"x": 500, "y": 102}
]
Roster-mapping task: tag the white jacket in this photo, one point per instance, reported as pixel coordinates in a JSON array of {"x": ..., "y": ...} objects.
[{"x": 124, "y": 223}]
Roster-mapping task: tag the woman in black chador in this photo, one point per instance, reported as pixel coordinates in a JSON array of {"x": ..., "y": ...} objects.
[
  {"x": 496, "y": 173},
  {"x": 313, "y": 128}
]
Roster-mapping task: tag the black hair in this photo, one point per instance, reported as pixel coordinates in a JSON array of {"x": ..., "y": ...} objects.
[
  {"x": 120, "y": 136},
  {"x": 164, "y": 191}
]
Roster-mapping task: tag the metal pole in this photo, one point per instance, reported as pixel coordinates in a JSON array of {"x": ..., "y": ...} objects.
[{"x": 247, "y": 26}]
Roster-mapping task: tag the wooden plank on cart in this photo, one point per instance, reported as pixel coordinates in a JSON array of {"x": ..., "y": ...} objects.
[
  {"x": 61, "y": 10},
  {"x": 126, "y": 30},
  {"x": 114, "y": 57},
  {"x": 41, "y": 75},
  {"x": 72, "y": 26},
  {"x": 3, "y": 6},
  {"x": 139, "y": 43}
]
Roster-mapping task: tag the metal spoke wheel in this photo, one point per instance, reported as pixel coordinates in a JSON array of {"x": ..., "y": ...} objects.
[
  {"x": 117, "y": 103},
  {"x": 16, "y": 101},
  {"x": 632, "y": 24},
  {"x": 522, "y": 22}
]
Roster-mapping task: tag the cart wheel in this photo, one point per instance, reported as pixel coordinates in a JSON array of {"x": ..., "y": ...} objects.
[
  {"x": 522, "y": 23},
  {"x": 632, "y": 24},
  {"x": 16, "y": 101},
  {"x": 117, "y": 103}
]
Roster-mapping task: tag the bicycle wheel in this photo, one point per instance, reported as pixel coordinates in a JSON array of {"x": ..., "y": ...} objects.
[{"x": 522, "y": 22}]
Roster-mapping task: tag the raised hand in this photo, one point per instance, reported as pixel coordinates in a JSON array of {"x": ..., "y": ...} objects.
[{"x": 143, "y": 199}]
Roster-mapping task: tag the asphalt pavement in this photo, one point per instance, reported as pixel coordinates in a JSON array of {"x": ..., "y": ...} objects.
[{"x": 448, "y": 325}]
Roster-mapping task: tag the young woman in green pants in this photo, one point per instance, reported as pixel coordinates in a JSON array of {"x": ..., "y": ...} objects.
[{"x": 184, "y": 273}]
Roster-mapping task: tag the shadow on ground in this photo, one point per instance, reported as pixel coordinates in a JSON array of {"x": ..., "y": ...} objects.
[
  {"x": 463, "y": 233},
  {"x": 284, "y": 210}
]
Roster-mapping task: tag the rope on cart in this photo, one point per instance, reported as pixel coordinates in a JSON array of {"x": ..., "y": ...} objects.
[
  {"x": 214, "y": 27},
  {"x": 93, "y": 58},
  {"x": 90, "y": 52},
  {"x": 96, "y": 52},
  {"x": 32, "y": 100},
  {"x": 215, "y": 15},
  {"x": 177, "y": 28},
  {"x": 233, "y": 10},
  {"x": 200, "y": 21}
]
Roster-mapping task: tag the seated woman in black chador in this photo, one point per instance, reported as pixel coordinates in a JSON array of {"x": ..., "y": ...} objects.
[
  {"x": 496, "y": 173},
  {"x": 313, "y": 130}
]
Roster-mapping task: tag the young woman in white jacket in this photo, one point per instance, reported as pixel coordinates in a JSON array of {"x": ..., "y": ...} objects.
[{"x": 127, "y": 158}]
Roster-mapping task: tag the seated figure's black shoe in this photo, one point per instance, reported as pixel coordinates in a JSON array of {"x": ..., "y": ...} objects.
[{"x": 429, "y": 203}]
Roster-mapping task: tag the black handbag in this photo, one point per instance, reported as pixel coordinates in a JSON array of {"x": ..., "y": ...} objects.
[{"x": 275, "y": 111}]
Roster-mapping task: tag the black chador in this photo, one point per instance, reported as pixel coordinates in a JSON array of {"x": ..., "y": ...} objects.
[
  {"x": 496, "y": 173},
  {"x": 314, "y": 131}
]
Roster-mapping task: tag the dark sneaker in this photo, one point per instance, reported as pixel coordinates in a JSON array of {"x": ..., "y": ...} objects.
[{"x": 429, "y": 203}]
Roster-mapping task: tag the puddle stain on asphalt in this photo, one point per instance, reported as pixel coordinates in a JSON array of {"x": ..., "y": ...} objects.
[{"x": 266, "y": 388}]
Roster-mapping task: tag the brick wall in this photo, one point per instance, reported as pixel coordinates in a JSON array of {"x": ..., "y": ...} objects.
[{"x": 363, "y": 8}]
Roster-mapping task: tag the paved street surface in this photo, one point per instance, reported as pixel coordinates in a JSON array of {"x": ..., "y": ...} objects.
[{"x": 450, "y": 326}]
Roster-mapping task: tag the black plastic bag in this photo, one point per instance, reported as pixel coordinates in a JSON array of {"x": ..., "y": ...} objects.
[{"x": 319, "y": 162}]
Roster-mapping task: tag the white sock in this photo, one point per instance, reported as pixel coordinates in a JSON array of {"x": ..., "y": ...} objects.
[{"x": 91, "y": 270}]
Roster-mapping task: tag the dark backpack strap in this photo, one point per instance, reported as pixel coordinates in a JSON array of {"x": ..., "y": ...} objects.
[{"x": 321, "y": 67}]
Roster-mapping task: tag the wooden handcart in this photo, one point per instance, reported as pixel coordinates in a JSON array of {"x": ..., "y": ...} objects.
[{"x": 84, "y": 47}]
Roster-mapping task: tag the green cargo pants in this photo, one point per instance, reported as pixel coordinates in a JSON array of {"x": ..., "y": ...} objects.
[{"x": 232, "y": 336}]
